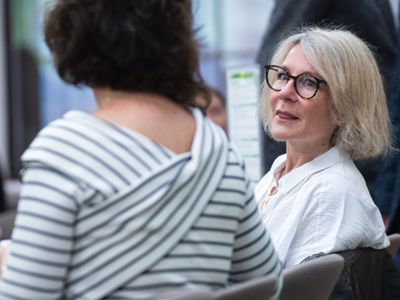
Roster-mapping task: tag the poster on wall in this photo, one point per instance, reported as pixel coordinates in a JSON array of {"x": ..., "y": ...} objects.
[{"x": 243, "y": 91}]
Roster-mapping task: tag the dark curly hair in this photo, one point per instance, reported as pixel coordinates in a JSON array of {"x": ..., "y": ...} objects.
[{"x": 130, "y": 45}]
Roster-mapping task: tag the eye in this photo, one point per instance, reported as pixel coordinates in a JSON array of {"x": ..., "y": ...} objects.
[
  {"x": 307, "y": 81},
  {"x": 282, "y": 75}
]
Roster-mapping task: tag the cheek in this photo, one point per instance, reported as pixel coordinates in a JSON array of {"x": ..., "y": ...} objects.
[
  {"x": 272, "y": 102},
  {"x": 272, "y": 96},
  {"x": 322, "y": 119}
]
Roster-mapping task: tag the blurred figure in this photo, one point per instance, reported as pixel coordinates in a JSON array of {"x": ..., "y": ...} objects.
[
  {"x": 387, "y": 192},
  {"x": 216, "y": 111},
  {"x": 145, "y": 195},
  {"x": 371, "y": 20},
  {"x": 3, "y": 199},
  {"x": 324, "y": 98}
]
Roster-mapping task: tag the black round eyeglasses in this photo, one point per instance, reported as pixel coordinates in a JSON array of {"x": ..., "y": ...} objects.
[{"x": 305, "y": 84}]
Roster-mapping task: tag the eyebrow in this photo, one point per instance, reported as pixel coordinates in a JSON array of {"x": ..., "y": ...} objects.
[{"x": 305, "y": 72}]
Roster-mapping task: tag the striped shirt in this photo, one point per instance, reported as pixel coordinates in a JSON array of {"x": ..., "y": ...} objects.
[{"x": 106, "y": 212}]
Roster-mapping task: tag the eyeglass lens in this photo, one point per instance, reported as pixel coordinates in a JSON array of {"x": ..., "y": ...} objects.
[{"x": 305, "y": 84}]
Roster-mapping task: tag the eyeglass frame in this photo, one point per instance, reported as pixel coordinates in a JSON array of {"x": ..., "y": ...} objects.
[{"x": 319, "y": 81}]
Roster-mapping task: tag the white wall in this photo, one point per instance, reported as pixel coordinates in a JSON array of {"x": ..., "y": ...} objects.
[{"x": 3, "y": 103}]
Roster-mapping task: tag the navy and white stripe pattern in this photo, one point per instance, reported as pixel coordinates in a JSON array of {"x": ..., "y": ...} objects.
[{"x": 106, "y": 212}]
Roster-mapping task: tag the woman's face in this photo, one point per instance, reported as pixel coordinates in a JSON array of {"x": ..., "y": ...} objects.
[{"x": 298, "y": 120}]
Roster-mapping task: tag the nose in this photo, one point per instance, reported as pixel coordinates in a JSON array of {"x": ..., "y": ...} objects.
[{"x": 289, "y": 91}]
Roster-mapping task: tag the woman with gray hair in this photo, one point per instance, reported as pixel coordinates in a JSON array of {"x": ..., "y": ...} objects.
[{"x": 325, "y": 99}]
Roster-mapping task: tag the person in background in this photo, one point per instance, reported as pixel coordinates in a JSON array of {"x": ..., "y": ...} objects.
[
  {"x": 3, "y": 199},
  {"x": 145, "y": 195},
  {"x": 323, "y": 97},
  {"x": 371, "y": 20},
  {"x": 216, "y": 111},
  {"x": 387, "y": 191}
]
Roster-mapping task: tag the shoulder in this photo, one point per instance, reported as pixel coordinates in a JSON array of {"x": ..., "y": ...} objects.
[
  {"x": 340, "y": 185},
  {"x": 341, "y": 176},
  {"x": 236, "y": 168},
  {"x": 66, "y": 146},
  {"x": 52, "y": 138},
  {"x": 234, "y": 156}
]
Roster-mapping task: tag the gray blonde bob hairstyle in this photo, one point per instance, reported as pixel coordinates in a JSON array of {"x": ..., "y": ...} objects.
[{"x": 358, "y": 98}]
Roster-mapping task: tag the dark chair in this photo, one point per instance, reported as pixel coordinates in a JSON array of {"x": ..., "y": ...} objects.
[
  {"x": 255, "y": 289},
  {"x": 394, "y": 244},
  {"x": 7, "y": 219},
  {"x": 313, "y": 279},
  {"x": 188, "y": 295},
  {"x": 368, "y": 274}
]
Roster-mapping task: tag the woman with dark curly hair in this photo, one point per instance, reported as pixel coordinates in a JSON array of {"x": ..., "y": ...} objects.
[{"x": 146, "y": 194}]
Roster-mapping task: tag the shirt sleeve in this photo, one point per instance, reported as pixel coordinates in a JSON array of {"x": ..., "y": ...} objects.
[
  {"x": 254, "y": 254},
  {"x": 42, "y": 238}
]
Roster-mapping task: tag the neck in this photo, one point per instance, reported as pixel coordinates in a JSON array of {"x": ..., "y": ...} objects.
[
  {"x": 300, "y": 155},
  {"x": 106, "y": 98},
  {"x": 154, "y": 116},
  {"x": 120, "y": 106}
]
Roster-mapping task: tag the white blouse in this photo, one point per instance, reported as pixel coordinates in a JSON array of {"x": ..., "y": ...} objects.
[{"x": 321, "y": 206}]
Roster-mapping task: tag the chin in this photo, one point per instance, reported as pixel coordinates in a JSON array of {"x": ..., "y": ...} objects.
[
  {"x": 279, "y": 139},
  {"x": 279, "y": 136}
]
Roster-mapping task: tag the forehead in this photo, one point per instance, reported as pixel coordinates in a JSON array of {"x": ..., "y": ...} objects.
[{"x": 296, "y": 62}]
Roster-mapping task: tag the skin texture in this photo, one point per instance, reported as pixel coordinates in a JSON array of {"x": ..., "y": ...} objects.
[
  {"x": 118, "y": 107},
  {"x": 305, "y": 125}
]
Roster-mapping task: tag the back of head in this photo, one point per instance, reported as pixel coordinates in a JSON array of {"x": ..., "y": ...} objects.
[
  {"x": 137, "y": 46},
  {"x": 355, "y": 85}
]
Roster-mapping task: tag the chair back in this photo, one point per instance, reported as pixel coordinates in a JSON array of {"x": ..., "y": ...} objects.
[
  {"x": 256, "y": 289},
  {"x": 369, "y": 274},
  {"x": 7, "y": 219},
  {"x": 186, "y": 294},
  {"x": 394, "y": 244},
  {"x": 313, "y": 279}
]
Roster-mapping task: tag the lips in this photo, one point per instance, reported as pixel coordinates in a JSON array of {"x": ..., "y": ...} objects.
[{"x": 285, "y": 115}]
